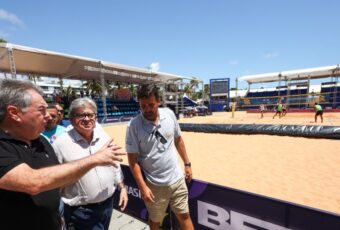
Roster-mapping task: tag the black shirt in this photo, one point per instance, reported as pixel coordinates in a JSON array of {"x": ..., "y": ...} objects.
[{"x": 20, "y": 210}]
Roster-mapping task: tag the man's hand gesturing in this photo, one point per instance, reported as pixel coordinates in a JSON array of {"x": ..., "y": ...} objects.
[{"x": 109, "y": 154}]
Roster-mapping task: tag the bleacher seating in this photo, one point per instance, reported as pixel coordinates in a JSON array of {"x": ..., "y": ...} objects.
[
  {"x": 270, "y": 98},
  {"x": 329, "y": 95},
  {"x": 117, "y": 110}
]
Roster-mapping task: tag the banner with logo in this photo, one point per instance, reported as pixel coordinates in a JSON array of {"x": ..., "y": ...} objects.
[{"x": 221, "y": 208}]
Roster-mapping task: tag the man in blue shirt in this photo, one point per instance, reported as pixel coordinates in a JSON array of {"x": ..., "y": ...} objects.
[{"x": 52, "y": 129}]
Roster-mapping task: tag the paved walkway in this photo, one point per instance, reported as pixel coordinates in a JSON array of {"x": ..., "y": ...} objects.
[{"x": 122, "y": 221}]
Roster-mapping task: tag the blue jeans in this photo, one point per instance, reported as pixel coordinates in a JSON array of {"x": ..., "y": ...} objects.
[{"x": 89, "y": 217}]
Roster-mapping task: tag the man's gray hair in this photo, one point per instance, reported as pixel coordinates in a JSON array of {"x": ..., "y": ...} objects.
[
  {"x": 15, "y": 92},
  {"x": 80, "y": 103}
]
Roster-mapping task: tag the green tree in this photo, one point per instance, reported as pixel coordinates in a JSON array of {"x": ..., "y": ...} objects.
[
  {"x": 133, "y": 90},
  {"x": 2, "y": 40},
  {"x": 190, "y": 89},
  {"x": 32, "y": 77},
  {"x": 187, "y": 89},
  {"x": 193, "y": 85},
  {"x": 61, "y": 83},
  {"x": 68, "y": 92},
  {"x": 94, "y": 87}
]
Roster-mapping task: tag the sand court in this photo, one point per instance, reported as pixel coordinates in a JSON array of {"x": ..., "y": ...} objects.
[{"x": 300, "y": 170}]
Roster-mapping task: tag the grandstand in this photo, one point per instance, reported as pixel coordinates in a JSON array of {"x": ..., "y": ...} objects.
[
  {"x": 296, "y": 92},
  {"x": 117, "y": 110}
]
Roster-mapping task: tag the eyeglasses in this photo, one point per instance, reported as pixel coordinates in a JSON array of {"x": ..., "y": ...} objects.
[
  {"x": 161, "y": 137},
  {"x": 84, "y": 115}
]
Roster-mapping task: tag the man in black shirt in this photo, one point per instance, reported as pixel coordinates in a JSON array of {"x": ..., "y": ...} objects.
[
  {"x": 32, "y": 210},
  {"x": 29, "y": 172}
]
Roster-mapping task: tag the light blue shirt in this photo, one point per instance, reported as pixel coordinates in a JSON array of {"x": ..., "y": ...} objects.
[
  {"x": 51, "y": 135},
  {"x": 157, "y": 160}
]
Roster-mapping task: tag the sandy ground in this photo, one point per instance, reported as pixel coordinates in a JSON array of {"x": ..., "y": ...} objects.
[{"x": 300, "y": 170}]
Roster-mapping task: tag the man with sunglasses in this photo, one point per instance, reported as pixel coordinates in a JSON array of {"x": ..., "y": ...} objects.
[
  {"x": 30, "y": 174},
  {"x": 153, "y": 139},
  {"x": 88, "y": 203}
]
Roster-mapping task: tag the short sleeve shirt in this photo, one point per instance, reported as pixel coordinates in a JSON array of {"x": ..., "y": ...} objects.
[
  {"x": 158, "y": 160},
  {"x": 20, "y": 210},
  {"x": 51, "y": 135},
  {"x": 318, "y": 107},
  {"x": 98, "y": 183},
  {"x": 279, "y": 107}
]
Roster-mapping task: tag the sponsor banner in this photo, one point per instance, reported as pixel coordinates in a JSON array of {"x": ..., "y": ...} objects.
[{"x": 221, "y": 208}]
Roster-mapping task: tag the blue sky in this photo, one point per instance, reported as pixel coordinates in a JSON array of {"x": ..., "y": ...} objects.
[{"x": 201, "y": 38}]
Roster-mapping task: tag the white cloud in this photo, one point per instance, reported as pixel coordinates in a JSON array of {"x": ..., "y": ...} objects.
[
  {"x": 233, "y": 62},
  {"x": 154, "y": 67},
  {"x": 12, "y": 18},
  {"x": 271, "y": 55}
]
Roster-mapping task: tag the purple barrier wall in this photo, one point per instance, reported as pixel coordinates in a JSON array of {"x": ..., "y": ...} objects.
[{"x": 218, "y": 207}]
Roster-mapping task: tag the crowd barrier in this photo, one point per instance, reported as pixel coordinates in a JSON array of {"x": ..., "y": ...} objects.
[{"x": 221, "y": 208}]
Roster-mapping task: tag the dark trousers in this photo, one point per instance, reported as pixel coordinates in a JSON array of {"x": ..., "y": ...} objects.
[{"x": 89, "y": 217}]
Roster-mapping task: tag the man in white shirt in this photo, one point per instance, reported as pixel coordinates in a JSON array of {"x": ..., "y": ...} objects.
[{"x": 89, "y": 201}]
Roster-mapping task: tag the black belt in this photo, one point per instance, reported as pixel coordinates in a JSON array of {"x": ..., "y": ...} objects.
[{"x": 91, "y": 204}]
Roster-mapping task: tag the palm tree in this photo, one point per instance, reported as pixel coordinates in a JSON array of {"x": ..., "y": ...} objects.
[
  {"x": 67, "y": 91},
  {"x": 133, "y": 90},
  {"x": 206, "y": 92},
  {"x": 187, "y": 89},
  {"x": 32, "y": 77},
  {"x": 61, "y": 82},
  {"x": 67, "y": 96},
  {"x": 94, "y": 87},
  {"x": 193, "y": 85}
]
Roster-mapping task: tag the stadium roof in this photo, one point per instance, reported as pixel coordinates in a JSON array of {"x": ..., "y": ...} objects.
[
  {"x": 47, "y": 63},
  {"x": 311, "y": 73}
]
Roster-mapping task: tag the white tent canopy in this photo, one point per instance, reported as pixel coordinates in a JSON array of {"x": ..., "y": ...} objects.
[
  {"x": 29, "y": 60},
  {"x": 311, "y": 73}
]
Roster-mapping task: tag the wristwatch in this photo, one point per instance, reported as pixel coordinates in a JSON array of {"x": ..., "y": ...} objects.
[{"x": 187, "y": 164}]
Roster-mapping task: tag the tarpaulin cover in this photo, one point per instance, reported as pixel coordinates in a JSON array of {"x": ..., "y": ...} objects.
[{"x": 313, "y": 131}]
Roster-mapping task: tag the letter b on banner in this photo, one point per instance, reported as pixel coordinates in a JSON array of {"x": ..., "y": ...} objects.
[{"x": 212, "y": 216}]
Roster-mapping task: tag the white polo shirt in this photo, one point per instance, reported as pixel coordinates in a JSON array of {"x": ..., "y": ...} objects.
[{"x": 96, "y": 185}]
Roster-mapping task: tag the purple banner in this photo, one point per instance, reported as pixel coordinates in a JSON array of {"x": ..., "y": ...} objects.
[{"x": 218, "y": 207}]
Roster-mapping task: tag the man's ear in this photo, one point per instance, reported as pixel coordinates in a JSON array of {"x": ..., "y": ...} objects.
[{"x": 13, "y": 112}]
